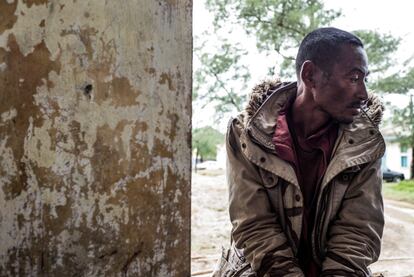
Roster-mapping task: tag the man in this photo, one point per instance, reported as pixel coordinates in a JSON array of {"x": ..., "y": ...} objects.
[{"x": 304, "y": 168}]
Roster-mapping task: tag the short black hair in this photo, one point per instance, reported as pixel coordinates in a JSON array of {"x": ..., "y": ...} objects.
[{"x": 322, "y": 46}]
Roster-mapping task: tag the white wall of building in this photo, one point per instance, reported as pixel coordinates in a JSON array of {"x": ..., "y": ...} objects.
[
  {"x": 394, "y": 158},
  {"x": 221, "y": 155}
]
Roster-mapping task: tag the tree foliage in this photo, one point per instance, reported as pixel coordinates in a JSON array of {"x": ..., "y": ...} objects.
[
  {"x": 400, "y": 82},
  {"x": 278, "y": 25},
  {"x": 205, "y": 141},
  {"x": 220, "y": 66}
]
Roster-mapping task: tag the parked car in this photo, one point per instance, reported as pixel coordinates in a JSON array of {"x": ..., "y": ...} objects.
[{"x": 392, "y": 176}]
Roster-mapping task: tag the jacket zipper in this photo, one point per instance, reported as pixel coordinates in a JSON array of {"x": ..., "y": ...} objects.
[{"x": 323, "y": 222}]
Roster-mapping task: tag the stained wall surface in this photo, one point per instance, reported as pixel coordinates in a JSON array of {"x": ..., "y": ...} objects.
[{"x": 95, "y": 119}]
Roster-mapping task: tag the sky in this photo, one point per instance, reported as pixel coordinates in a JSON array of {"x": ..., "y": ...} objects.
[{"x": 393, "y": 17}]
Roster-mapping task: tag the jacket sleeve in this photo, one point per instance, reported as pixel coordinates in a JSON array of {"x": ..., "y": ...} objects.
[
  {"x": 256, "y": 229},
  {"x": 354, "y": 237}
]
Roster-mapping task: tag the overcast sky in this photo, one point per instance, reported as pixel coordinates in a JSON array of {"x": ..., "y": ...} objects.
[{"x": 395, "y": 17}]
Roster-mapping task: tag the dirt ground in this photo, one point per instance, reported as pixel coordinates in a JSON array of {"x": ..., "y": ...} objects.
[{"x": 211, "y": 227}]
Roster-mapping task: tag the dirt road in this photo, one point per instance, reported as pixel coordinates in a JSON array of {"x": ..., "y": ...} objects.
[{"x": 211, "y": 228}]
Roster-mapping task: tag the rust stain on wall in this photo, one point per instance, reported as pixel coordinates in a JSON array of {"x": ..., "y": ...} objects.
[
  {"x": 150, "y": 71},
  {"x": 7, "y": 16},
  {"x": 166, "y": 79}
]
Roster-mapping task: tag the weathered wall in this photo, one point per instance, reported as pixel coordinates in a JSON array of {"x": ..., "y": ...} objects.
[{"x": 95, "y": 115}]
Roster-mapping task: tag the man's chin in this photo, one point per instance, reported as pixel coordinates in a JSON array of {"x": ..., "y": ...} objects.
[{"x": 345, "y": 120}]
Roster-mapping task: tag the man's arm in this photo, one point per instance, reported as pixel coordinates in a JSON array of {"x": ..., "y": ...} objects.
[
  {"x": 256, "y": 229},
  {"x": 354, "y": 238}
]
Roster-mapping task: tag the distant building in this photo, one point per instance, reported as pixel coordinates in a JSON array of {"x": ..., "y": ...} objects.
[
  {"x": 397, "y": 156},
  {"x": 221, "y": 155}
]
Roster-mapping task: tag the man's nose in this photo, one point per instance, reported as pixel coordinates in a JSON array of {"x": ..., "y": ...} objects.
[{"x": 362, "y": 92}]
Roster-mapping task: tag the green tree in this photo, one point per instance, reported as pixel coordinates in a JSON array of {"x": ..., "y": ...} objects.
[
  {"x": 219, "y": 67},
  {"x": 205, "y": 141}
]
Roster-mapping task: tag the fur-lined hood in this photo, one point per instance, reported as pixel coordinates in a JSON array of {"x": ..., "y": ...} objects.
[{"x": 263, "y": 91}]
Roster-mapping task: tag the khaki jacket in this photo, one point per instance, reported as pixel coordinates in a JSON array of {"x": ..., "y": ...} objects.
[{"x": 266, "y": 201}]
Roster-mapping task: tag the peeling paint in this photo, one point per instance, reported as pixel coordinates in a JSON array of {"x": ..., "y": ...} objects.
[
  {"x": 95, "y": 158},
  {"x": 8, "y": 115},
  {"x": 8, "y": 165},
  {"x": 38, "y": 146}
]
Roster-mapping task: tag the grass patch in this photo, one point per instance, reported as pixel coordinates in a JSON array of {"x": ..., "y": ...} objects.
[{"x": 402, "y": 191}]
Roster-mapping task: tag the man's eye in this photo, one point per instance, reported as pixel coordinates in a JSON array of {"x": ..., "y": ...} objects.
[{"x": 355, "y": 78}]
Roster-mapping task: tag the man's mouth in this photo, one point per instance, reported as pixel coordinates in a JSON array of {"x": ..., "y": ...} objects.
[
  {"x": 355, "y": 105},
  {"x": 355, "y": 108},
  {"x": 358, "y": 105}
]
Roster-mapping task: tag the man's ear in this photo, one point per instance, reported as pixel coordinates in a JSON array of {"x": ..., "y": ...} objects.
[{"x": 307, "y": 74}]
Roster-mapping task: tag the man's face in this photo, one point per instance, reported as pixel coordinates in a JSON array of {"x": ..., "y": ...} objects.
[{"x": 343, "y": 91}]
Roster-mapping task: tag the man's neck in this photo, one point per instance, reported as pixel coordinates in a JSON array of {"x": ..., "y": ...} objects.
[{"x": 306, "y": 115}]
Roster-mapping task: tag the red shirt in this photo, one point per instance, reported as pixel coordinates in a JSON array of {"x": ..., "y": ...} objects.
[{"x": 309, "y": 157}]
